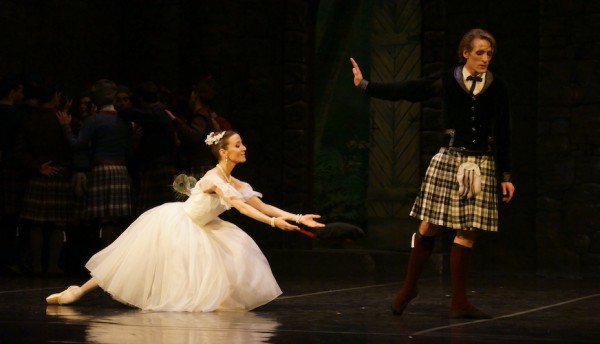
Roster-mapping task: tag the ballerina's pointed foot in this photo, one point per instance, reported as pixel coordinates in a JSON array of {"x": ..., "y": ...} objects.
[{"x": 72, "y": 294}]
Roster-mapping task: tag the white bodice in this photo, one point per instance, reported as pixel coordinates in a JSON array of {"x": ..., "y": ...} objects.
[{"x": 204, "y": 207}]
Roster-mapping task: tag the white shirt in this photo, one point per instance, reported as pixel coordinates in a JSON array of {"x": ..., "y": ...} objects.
[{"x": 478, "y": 86}]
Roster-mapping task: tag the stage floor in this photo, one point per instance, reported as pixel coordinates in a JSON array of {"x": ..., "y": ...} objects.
[{"x": 317, "y": 308}]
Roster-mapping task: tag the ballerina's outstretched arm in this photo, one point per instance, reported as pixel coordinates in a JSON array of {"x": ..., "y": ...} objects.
[
  {"x": 269, "y": 214},
  {"x": 270, "y": 210}
]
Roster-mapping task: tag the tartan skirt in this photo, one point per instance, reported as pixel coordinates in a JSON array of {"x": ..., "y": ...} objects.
[
  {"x": 49, "y": 199},
  {"x": 109, "y": 192},
  {"x": 438, "y": 201}
]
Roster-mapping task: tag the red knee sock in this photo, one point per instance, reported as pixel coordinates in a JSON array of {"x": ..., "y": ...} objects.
[
  {"x": 460, "y": 264},
  {"x": 423, "y": 246}
]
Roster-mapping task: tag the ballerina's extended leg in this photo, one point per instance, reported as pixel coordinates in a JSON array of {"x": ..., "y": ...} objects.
[{"x": 72, "y": 293}]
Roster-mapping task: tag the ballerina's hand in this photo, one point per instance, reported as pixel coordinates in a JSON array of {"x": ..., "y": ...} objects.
[
  {"x": 282, "y": 224},
  {"x": 309, "y": 221}
]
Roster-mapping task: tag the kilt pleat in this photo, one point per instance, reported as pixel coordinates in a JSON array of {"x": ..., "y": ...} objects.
[
  {"x": 109, "y": 192},
  {"x": 438, "y": 201},
  {"x": 49, "y": 199}
]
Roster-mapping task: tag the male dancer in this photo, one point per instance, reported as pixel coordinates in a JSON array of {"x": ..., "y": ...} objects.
[{"x": 459, "y": 190}]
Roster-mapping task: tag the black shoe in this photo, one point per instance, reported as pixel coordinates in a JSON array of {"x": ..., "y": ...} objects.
[
  {"x": 397, "y": 311},
  {"x": 469, "y": 312}
]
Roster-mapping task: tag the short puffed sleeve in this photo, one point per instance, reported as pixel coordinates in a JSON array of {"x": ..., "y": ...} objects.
[
  {"x": 210, "y": 180},
  {"x": 247, "y": 191}
]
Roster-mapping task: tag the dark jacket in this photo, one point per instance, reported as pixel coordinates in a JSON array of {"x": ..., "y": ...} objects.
[
  {"x": 158, "y": 142},
  {"x": 474, "y": 119},
  {"x": 41, "y": 139}
]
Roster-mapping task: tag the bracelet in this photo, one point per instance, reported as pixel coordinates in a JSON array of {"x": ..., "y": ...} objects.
[
  {"x": 273, "y": 222},
  {"x": 299, "y": 218},
  {"x": 506, "y": 177}
]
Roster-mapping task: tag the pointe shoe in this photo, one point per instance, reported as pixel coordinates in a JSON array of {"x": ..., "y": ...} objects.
[
  {"x": 66, "y": 297},
  {"x": 398, "y": 310},
  {"x": 469, "y": 312}
]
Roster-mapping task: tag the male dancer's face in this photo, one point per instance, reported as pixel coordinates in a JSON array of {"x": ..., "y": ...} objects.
[{"x": 479, "y": 57}]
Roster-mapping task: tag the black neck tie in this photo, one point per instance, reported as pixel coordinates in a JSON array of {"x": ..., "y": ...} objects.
[{"x": 474, "y": 80}]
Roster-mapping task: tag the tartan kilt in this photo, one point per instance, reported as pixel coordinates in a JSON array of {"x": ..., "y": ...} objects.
[
  {"x": 13, "y": 182},
  {"x": 109, "y": 192},
  {"x": 155, "y": 188},
  {"x": 438, "y": 201},
  {"x": 49, "y": 199}
]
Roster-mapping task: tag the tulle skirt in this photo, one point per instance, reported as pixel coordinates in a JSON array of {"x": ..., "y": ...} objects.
[{"x": 166, "y": 262}]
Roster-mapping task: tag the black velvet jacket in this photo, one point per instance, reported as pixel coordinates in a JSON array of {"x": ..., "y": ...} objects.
[{"x": 479, "y": 121}]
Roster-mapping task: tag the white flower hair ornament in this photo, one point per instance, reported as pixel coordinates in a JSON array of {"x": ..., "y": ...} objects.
[{"x": 214, "y": 138}]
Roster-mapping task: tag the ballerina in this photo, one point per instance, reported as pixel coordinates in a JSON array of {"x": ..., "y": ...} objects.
[{"x": 181, "y": 256}]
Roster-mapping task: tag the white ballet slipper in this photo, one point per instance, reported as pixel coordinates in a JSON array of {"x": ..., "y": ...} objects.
[{"x": 66, "y": 297}]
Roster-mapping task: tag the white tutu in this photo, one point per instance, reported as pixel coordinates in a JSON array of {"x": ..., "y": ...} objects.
[{"x": 182, "y": 257}]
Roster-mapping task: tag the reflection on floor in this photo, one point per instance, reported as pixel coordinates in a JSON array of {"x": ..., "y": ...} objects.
[{"x": 317, "y": 307}]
